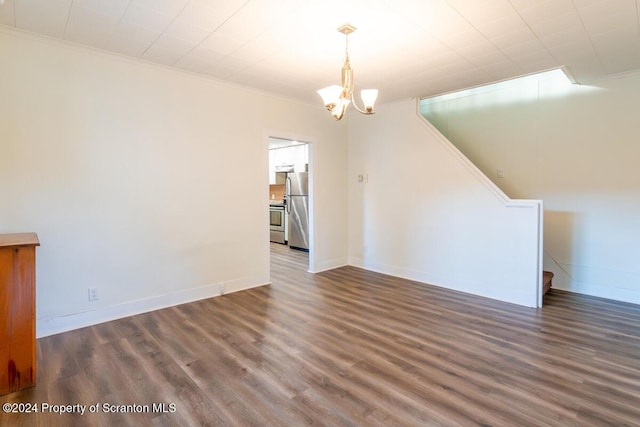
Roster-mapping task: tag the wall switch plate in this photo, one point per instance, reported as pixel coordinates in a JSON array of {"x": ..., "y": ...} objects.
[
  {"x": 500, "y": 173},
  {"x": 93, "y": 294}
]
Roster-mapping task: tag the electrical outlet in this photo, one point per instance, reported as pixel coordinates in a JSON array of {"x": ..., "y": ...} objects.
[
  {"x": 93, "y": 294},
  {"x": 365, "y": 178},
  {"x": 500, "y": 173}
]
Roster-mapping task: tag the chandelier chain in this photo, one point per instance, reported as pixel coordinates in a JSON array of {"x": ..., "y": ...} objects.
[{"x": 346, "y": 49}]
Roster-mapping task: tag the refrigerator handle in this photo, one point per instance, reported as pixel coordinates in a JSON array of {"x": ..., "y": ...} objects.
[{"x": 287, "y": 194}]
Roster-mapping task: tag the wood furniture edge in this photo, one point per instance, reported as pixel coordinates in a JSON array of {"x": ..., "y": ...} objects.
[{"x": 19, "y": 239}]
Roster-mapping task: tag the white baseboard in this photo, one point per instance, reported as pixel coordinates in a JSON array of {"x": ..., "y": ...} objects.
[
  {"x": 477, "y": 288},
  {"x": 329, "y": 264},
  {"x": 596, "y": 282},
  {"x": 55, "y": 325},
  {"x": 617, "y": 294}
]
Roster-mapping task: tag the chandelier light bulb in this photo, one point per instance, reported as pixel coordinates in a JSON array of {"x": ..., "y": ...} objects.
[
  {"x": 369, "y": 97},
  {"x": 330, "y": 95}
]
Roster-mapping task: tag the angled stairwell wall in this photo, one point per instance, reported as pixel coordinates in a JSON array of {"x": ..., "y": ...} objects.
[
  {"x": 577, "y": 148},
  {"x": 424, "y": 212}
]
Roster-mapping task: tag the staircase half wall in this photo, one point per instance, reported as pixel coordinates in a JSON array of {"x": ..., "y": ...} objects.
[{"x": 419, "y": 209}]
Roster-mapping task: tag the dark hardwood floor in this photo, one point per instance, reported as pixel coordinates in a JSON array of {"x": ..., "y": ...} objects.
[{"x": 351, "y": 348}]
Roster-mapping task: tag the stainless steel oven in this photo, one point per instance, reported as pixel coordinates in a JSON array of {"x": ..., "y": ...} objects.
[{"x": 277, "y": 223}]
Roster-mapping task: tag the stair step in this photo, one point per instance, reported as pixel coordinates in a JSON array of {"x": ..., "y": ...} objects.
[{"x": 546, "y": 281}]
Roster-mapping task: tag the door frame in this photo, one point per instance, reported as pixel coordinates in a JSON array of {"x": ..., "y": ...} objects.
[{"x": 311, "y": 155}]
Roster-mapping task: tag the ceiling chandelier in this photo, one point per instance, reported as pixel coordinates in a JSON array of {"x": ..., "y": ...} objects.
[{"x": 337, "y": 98}]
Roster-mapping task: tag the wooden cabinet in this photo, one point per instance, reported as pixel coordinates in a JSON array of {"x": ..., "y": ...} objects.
[{"x": 17, "y": 311}]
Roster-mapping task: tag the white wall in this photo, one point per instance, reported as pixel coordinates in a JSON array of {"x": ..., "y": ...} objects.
[
  {"x": 576, "y": 147},
  {"x": 148, "y": 183},
  {"x": 427, "y": 214}
]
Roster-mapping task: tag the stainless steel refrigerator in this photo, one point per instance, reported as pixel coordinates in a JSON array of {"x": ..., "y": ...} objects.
[{"x": 297, "y": 200}]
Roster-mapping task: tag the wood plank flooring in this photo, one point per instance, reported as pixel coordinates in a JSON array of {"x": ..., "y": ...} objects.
[{"x": 348, "y": 348}]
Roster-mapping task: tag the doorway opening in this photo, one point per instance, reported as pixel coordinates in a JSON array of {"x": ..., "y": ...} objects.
[{"x": 290, "y": 198}]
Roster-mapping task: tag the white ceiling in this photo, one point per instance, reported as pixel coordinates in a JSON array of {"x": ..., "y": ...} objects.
[{"x": 405, "y": 48}]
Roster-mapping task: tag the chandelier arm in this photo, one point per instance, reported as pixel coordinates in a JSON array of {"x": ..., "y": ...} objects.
[{"x": 353, "y": 102}]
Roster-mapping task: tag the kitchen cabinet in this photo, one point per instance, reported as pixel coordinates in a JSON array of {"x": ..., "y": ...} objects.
[
  {"x": 275, "y": 159},
  {"x": 295, "y": 155},
  {"x": 299, "y": 157},
  {"x": 279, "y": 178},
  {"x": 17, "y": 311}
]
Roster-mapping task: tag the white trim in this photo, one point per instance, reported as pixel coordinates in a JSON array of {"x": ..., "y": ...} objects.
[
  {"x": 329, "y": 264},
  {"x": 452, "y": 282},
  {"x": 55, "y": 325},
  {"x": 562, "y": 68},
  {"x": 311, "y": 150},
  {"x": 477, "y": 173},
  {"x": 540, "y": 265},
  {"x": 613, "y": 76},
  {"x": 143, "y": 62}
]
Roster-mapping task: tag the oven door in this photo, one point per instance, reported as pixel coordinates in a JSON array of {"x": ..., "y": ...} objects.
[
  {"x": 276, "y": 218},
  {"x": 276, "y": 224}
]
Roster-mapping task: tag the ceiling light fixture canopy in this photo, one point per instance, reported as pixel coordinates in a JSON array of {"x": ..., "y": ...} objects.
[{"x": 337, "y": 98}]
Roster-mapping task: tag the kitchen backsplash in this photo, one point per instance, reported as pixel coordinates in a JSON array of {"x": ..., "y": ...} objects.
[{"x": 276, "y": 191}]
